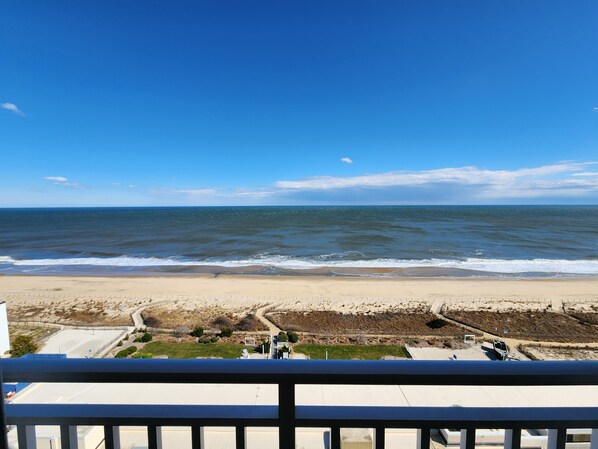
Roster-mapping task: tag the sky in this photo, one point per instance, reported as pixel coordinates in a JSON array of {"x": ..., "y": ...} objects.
[{"x": 152, "y": 103}]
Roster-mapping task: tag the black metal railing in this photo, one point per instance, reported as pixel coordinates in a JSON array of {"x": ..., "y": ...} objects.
[{"x": 287, "y": 416}]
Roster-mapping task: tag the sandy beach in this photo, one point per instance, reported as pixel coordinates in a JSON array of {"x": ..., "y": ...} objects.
[{"x": 112, "y": 299}]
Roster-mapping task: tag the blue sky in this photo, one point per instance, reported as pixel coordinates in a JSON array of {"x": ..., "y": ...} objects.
[{"x": 258, "y": 102}]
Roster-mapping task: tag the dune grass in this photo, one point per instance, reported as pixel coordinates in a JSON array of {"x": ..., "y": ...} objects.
[
  {"x": 185, "y": 350},
  {"x": 348, "y": 352}
]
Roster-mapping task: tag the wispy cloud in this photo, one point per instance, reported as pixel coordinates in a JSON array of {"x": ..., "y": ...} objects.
[
  {"x": 567, "y": 181},
  {"x": 468, "y": 175},
  {"x": 347, "y": 160},
  {"x": 12, "y": 108},
  {"x": 62, "y": 181}
]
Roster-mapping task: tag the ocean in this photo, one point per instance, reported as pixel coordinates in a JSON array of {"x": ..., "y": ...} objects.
[{"x": 342, "y": 241}]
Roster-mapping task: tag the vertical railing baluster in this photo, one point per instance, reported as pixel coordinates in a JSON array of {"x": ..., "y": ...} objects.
[
  {"x": 68, "y": 437},
  {"x": 4, "y": 437},
  {"x": 286, "y": 415},
  {"x": 112, "y": 437},
  {"x": 556, "y": 438},
  {"x": 467, "y": 438},
  {"x": 335, "y": 437},
  {"x": 594, "y": 439},
  {"x": 196, "y": 437},
  {"x": 380, "y": 435},
  {"x": 423, "y": 439},
  {"x": 512, "y": 439},
  {"x": 26, "y": 437},
  {"x": 154, "y": 437},
  {"x": 240, "y": 437}
]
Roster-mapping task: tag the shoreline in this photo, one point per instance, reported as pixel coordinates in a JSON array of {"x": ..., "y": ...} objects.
[{"x": 428, "y": 272}]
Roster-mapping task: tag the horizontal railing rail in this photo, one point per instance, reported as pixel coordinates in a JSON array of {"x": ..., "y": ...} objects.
[
  {"x": 286, "y": 415},
  {"x": 320, "y": 372}
]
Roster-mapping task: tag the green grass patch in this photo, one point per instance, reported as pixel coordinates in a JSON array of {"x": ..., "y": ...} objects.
[
  {"x": 348, "y": 352},
  {"x": 193, "y": 350}
]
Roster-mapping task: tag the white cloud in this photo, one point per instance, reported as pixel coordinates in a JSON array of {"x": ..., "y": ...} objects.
[
  {"x": 347, "y": 160},
  {"x": 56, "y": 178},
  {"x": 569, "y": 181},
  {"x": 196, "y": 192},
  {"x": 12, "y": 108},
  {"x": 62, "y": 181},
  {"x": 548, "y": 180}
]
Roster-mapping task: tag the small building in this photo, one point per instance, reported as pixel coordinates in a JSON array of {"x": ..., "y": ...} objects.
[{"x": 4, "y": 337}]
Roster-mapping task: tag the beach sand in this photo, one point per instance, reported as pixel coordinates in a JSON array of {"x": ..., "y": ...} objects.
[{"x": 111, "y": 300}]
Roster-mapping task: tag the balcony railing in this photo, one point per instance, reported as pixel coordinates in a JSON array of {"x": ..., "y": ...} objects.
[{"x": 287, "y": 416}]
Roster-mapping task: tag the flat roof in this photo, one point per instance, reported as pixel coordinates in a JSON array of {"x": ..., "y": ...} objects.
[{"x": 266, "y": 394}]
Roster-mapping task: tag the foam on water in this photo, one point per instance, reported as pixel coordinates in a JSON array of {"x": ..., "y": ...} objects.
[{"x": 582, "y": 267}]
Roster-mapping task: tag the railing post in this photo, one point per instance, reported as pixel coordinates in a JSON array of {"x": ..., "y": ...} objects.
[
  {"x": 556, "y": 438},
  {"x": 423, "y": 438},
  {"x": 512, "y": 439},
  {"x": 335, "y": 437},
  {"x": 594, "y": 439},
  {"x": 240, "y": 437},
  {"x": 380, "y": 435},
  {"x": 68, "y": 437},
  {"x": 4, "y": 437},
  {"x": 196, "y": 437},
  {"x": 112, "y": 437},
  {"x": 467, "y": 439},
  {"x": 154, "y": 437},
  {"x": 26, "y": 437},
  {"x": 286, "y": 415}
]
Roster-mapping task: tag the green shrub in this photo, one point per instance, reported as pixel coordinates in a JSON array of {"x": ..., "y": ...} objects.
[
  {"x": 142, "y": 355},
  {"x": 283, "y": 337},
  {"x": 23, "y": 344},
  {"x": 263, "y": 347},
  {"x": 226, "y": 332},
  {"x": 121, "y": 354},
  {"x": 205, "y": 339},
  {"x": 213, "y": 339},
  {"x": 293, "y": 337},
  {"x": 146, "y": 338},
  {"x": 197, "y": 332},
  {"x": 125, "y": 352},
  {"x": 120, "y": 343}
]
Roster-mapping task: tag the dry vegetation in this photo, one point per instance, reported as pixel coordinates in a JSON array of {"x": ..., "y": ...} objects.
[
  {"x": 37, "y": 332},
  {"x": 363, "y": 339},
  {"x": 586, "y": 317},
  {"x": 547, "y": 353},
  {"x": 84, "y": 311},
  {"x": 209, "y": 318},
  {"x": 528, "y": 325},
  {"x": 391, "y": 323}
]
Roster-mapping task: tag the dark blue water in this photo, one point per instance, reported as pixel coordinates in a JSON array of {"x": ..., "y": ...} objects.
[{"x": 515, "y": 240}]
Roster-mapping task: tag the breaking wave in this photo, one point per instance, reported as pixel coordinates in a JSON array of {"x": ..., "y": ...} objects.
[{"x": 549, "y": 266}]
